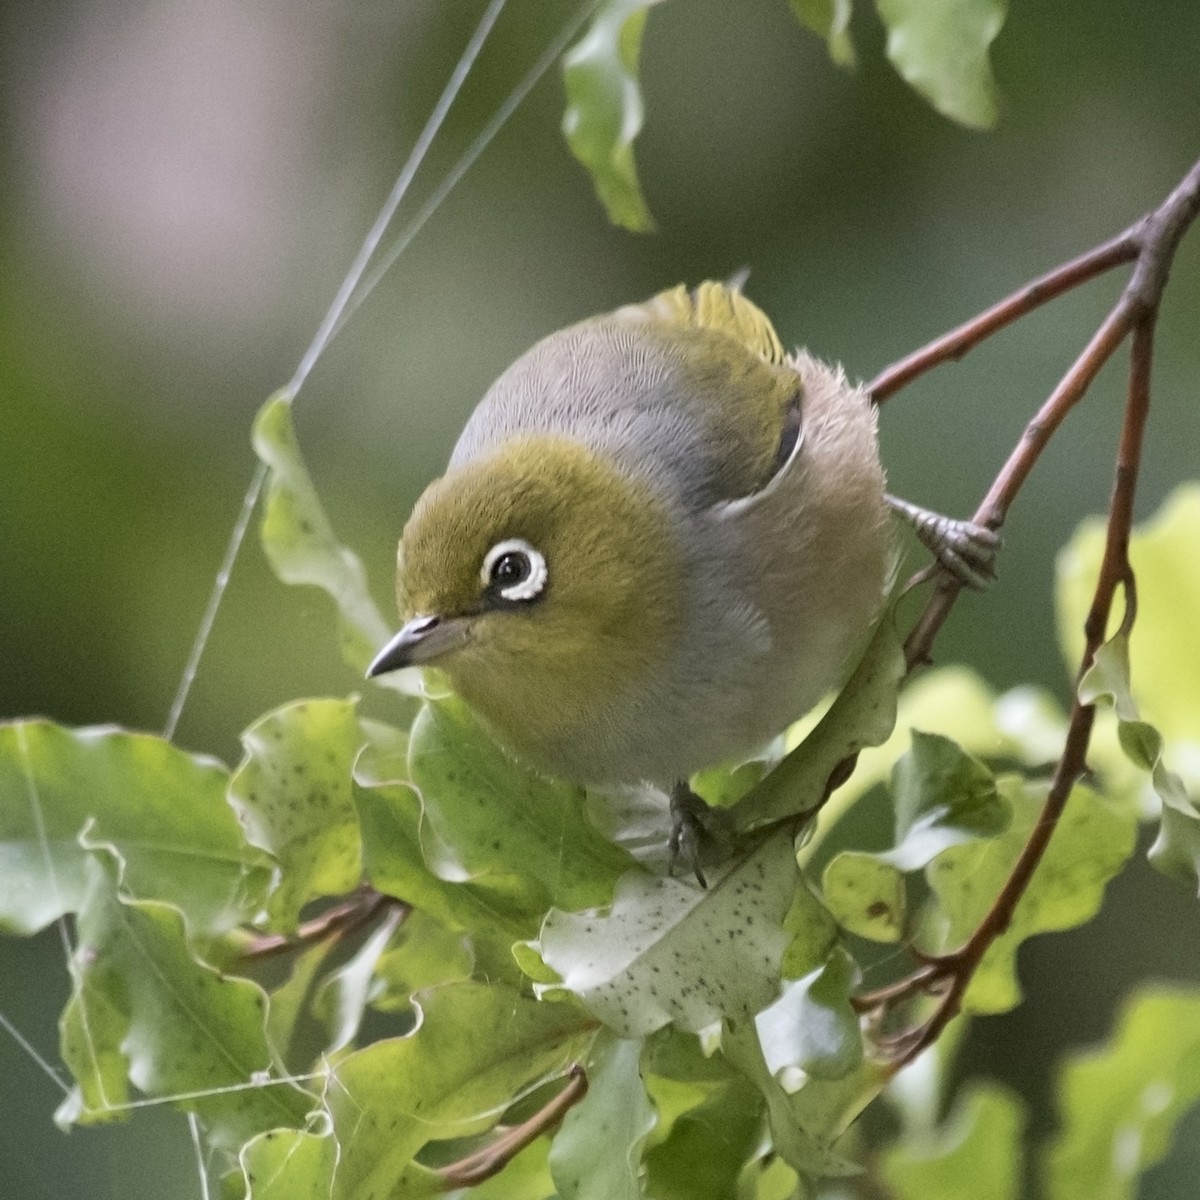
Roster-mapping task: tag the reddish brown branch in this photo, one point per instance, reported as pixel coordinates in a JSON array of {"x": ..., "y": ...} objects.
[
  {"x": 1156, "y": 239},
  {"x": 953, "y": 345},
  {"x": 343, "y": 918},
  {"x": 494, "y": 1157}
]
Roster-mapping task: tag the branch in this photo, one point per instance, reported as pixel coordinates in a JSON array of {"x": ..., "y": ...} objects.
[
  {"x": 1156, "y": 238},
  {"x": 493, "y": 1158},
  {"x": 336, "y": 922},
  {"x": 953, "y": 345}
]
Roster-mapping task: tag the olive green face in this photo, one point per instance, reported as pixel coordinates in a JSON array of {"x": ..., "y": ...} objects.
[{"x": 544, "y": 582}]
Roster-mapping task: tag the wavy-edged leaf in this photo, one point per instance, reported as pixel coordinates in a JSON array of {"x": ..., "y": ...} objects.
[
  {"x": 942, "y": 797},
  {"x": 475, "y": 1049},
  {"x": 1176, "y": 850},
  {"x": 342, "y": 998},
  {"x": 669, "y": 951},
  {"x": 163, "y": 810},
  {"x": 707, "y": 1146},
  {"x": 866, "y": 897},
  {"x": 604, "y": 108},
  {"x": 805, "y": 1125},
  {"x": 812, "y": 1027},
  {"x": 830, "y": 21},
  {"x": 293, "y": 797},
  {"x": 1165, "y": 641},
  {"x": 863, "y": 714},
  {"x": 485, "y": 815},
  {"x": 494, "y": 914},
  {"x": 976, "y": 1153},
  {"x": 422, "y": 953},
  {"x": 1091, "y": 844},
  {"x": 301, "y": 546},
  {"x": 1120, "y": 1103},
  {"x": 1025, "y": 724},
  {"x": 146, "y": 1010},
  {"x": 598, "y": 1150},
  {"x": 284, "y": 1164},
  {"x": 940, "y": 48}
]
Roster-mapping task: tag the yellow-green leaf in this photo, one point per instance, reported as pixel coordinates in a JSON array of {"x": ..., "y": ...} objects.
[
  {"x": 302, "y": 548},
  {"x": 1120, "y": 1102},
  {"x": 1164, "y": 645},
  {"x": 830, "y": 20},
  {"x": 940, "y": 48},
  {"x": 604, "y": 108},
  {"x": 977, "y": 1152}
]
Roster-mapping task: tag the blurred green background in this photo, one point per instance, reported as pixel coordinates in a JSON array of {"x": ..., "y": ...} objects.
[{"x": 182, "y": 185}]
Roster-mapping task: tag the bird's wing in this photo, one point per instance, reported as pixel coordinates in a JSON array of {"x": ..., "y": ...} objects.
[{"x": 692, "y": 390}]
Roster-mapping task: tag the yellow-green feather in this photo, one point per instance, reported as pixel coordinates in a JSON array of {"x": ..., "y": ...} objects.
[
  {"x": 547, "y": 674},
  {"x": 718, "y": 308},
  {"x": 738, "y": 384}
]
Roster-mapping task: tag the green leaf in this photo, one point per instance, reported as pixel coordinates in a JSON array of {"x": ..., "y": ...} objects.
[
  {"x": 977, "y": 1152},
  {"x": 942, "y": 798},
  {"x": 475, "y": 1050},
  {"x": 423, "y": 952},
  {"x": 708, "y": 1144},
  {"x": 293, "y": 1040},
  {"x": 284, "y": 1164},
  {"x": 343, "y": 997},
  {"x": 597, "y": 1153},
  {"x": 813, "y": 931},
  {"x": 1090, "y": 845},
  {"x": 494, "y": 914},
  {"x": 1120, "y": 1103},
  {"x": 292, "y": 794},
  {"x": 144, "y": 1007},
  {"x": 862, "y": 715},
  {"x": 1176, "y": 850},
  {"x": 604, "y": 108},
  {"x": 301, "y": 546},
  {"x": 807, "y": 1124},
  {"x": 865, "y": 896},
  {"x": 940, "y": 48},
  {"x": 812, "y": 1026},
  {"x": 1025, "y": 724},
  {"x": 485, "y": 814},
  {"x": 830, "y": 20},
  {"x": 670, "y": 951},
  {"x": 163, "y": 811},
  {"x": 1165, "y": 641}
]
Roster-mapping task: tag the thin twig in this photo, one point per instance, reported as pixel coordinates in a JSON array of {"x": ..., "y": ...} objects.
[
  {"x": 953, "y": 345},
  {"x": 336, "y": 922},
  {"x": 494, "y": 1157},
  {"x": 1157, "y": 238}
]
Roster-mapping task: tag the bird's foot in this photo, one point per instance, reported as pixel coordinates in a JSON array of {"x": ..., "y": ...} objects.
[
  {"x": 695, "y": 827},
  {"x": 963, "y": 549}
]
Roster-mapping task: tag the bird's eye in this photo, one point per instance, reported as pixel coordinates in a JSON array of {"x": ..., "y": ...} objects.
[{"x": 514, "y": 570}]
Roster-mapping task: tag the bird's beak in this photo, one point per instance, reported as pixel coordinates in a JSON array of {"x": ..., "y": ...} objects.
[{"x": 420, "y": 641}]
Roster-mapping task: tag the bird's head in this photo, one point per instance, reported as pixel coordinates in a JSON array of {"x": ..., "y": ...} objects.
[{"x": 544, "y": 582}]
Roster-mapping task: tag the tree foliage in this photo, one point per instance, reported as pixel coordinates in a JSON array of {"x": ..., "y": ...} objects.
[{"x": 379, "y": 958}]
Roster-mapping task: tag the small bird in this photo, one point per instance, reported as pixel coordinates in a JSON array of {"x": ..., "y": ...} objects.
[{"x": 661, "y": 539}]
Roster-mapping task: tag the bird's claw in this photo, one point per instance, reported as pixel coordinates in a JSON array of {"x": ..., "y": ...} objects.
[
  {"x": 964, "y": 550},
  {"x": 695, "y": 827}
]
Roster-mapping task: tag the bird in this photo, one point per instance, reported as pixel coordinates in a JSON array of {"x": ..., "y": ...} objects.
[{"x": 661, "y": 538}]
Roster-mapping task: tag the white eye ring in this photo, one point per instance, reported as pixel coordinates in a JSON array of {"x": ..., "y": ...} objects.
[{"x": 525, "y": 587}]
